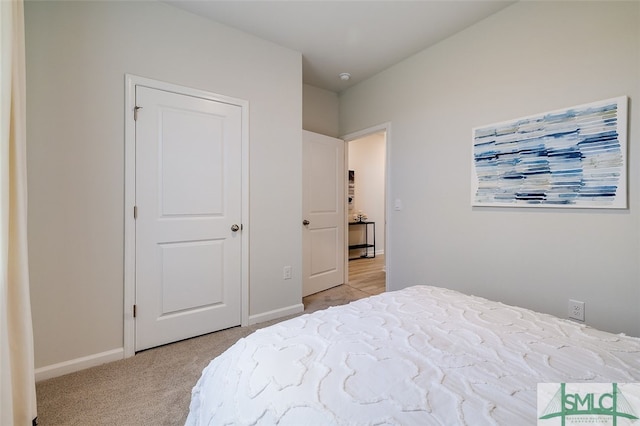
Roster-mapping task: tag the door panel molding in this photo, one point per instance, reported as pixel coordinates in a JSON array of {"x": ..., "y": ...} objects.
[{"x": 131, "y": 81}]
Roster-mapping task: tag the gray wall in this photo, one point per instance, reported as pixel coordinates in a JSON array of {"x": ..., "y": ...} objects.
[
  {"x": 77, "y": 57},
  {"x": 529, "y": 58},
  {"x": 320, "y": 112}
]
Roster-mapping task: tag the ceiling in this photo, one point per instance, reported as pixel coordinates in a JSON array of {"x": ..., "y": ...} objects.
[{"x": 355, "y": 36}]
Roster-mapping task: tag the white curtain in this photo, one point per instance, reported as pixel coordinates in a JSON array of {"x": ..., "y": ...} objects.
[{"x": 17, "y": 378}]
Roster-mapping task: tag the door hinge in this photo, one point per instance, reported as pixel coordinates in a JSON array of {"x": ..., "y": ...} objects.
[
  {"x": 135, "y": 212},
  {"x": 135, "y": 112},
  {"x": 134, "y": 310}
]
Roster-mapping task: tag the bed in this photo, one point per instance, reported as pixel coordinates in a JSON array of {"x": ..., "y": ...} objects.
[{"x": 419, "y": 356}]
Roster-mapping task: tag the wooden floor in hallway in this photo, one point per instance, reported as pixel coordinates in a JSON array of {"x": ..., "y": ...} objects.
[{"x": 367, "y": 277}]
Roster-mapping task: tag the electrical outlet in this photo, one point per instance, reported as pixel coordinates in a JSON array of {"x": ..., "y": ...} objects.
[
  {"x": 286, "y": 272},
  {"x": 576, "y": 310}
]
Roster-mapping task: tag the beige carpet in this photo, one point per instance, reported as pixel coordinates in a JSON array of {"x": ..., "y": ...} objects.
[{"x": 153, "y": 387}]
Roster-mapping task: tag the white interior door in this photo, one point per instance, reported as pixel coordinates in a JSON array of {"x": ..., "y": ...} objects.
[
  {"x": 323, "y": 199},
  {"x": 189, "y": 206}
]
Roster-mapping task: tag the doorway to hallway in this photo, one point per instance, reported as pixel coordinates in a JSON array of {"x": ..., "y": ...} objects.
[{"x": 367, "y": 166}]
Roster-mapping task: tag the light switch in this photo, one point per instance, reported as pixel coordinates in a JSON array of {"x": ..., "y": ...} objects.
[{"x": 397, "y": 205}]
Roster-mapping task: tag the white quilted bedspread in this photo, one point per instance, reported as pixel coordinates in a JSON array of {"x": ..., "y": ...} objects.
[{"x": 419, "y": 356}]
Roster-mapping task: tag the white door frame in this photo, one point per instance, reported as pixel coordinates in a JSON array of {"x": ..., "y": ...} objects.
[
  {"x": 386, "y": 127},
  {"x": 131, "y": 81}
]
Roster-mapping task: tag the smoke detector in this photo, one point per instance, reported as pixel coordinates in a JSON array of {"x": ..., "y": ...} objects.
[{"x": 344, "y": 76}]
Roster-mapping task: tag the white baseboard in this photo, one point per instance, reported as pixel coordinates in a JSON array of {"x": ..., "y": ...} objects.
[
  {"x": 71, "y": 366},
  {"x": 275, "y": 314}
]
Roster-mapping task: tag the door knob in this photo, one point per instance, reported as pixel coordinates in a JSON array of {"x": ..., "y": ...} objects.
[
  {"x": 235, "y": 228},
  {"x": 305, "y": 222}
]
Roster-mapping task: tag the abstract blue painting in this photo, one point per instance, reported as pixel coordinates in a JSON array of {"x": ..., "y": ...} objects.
[{"x": 574, "y": 157}]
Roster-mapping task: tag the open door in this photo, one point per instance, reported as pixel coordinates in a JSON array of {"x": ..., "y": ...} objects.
[{"x": 323, "y": 212}]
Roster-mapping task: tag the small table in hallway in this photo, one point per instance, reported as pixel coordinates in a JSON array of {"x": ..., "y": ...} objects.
[{"x": 366, "y": 244}]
